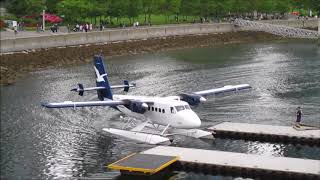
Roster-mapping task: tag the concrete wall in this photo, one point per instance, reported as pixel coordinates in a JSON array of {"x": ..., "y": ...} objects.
[
  {"x": 294, "y": 23},
  {"x": 319, "y": 31},
  {"x": 20, "y": 44},
  {"x": 154, "y": 32}
]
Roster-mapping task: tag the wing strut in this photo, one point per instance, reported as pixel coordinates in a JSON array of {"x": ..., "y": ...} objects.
[{"x": 165, "y": 129}]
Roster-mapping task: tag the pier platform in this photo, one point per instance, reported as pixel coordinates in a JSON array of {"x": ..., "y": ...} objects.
[
  {"x": 239, "y": 164},
  {"x": 143, "y": 164},
  {"x": 273, "y": 133}
]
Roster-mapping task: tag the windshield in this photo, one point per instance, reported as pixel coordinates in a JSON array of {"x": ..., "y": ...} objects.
[
  {"x": 179, "y": 108},
  {"x": 187, "y": 107}
]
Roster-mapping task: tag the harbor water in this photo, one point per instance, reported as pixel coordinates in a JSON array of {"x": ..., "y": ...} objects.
[{"x": 40, "y": 143}]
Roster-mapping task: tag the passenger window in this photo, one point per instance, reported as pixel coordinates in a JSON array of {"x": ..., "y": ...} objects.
[
  {"x": 163, "y": 111},
  {"x": 148, "y": 108},
  {"x": 172, "y": 110},
  {"x": 155, "y": 109},
  {"x": 159, "y": 110},
  {"x": 152, "y": 108}
]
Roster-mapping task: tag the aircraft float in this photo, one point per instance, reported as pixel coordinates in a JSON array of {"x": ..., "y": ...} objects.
[{"x": 165, "y": 116}]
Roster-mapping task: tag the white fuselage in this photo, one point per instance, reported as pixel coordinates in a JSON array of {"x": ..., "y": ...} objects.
[{"x": 164, "y": 111}]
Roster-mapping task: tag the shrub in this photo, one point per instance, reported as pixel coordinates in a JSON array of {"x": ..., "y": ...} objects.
[{"x": 9, "y": 17}]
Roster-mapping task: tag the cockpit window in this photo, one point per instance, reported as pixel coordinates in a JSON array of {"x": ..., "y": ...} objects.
[
  {"x": 187, "y": 107},
  {"x": 172, "y": 110},
  {"x": 179, "y": 108}
]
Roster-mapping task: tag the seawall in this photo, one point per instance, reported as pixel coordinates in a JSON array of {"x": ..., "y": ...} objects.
[
  {"x": 311, "y": 23},
  {"x": 107, "y": 36},
  {"x": 73, "y": 39}
]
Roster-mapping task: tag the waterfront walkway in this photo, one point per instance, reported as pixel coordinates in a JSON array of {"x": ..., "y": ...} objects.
[{"x": 26, "y": 34}]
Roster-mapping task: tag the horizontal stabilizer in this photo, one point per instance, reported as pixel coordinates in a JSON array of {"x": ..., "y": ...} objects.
[
  {"x": 225, "y": 89},
  {"x": 81, "y": 88},
  {"x": 125, "y": 86},
  {"x": 139, "y": 136},
  {"x": 67, "y": 104}
]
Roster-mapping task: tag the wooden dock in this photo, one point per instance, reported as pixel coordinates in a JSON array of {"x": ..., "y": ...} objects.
[
  {"x": 271, "y": 133},
  {"x": 239, "y": 164}
]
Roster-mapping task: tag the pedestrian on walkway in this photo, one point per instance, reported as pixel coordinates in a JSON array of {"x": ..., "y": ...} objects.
[
  {"x": 81, "y": 28},
  {"x": 15, "y": 29},
  {"x": 86, "y": 27},
  {"x": 38, "y": 28},
  {"x": 299, "y": 115}
]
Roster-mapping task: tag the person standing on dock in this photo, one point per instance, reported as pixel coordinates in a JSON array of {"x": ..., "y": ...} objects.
[{"x": 299, "y": 114}]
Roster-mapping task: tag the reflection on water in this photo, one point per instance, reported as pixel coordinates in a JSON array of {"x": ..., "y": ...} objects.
[
  {"x": 44, "y": 143},
  {"x": 266, "y": 149}
]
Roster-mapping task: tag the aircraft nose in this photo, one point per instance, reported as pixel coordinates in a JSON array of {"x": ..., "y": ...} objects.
[
  {"x": 197, "y": 121},
  {"x": 193, "y": 120}
]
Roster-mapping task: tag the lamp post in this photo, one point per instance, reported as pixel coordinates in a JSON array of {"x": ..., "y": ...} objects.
[{"x": 43, "y": 20}]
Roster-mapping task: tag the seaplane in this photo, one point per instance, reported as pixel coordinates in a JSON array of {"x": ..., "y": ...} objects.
[{"x": 165, "y": 116}]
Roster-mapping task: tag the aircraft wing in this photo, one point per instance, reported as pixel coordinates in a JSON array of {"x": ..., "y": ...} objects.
[
  {"x": 197, "y": 97},
  {"x": 67, "y": 104},
  {"x": 228, "y": 88}
]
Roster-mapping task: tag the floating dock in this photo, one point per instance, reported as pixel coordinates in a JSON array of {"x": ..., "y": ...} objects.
[
  {"x": 267, "y": 133},
  {"x": 143, "y": 164},
  {"x": 239, "y": 164}
]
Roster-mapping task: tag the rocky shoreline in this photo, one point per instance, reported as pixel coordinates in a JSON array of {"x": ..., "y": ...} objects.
[{"x": 14, "y": 65}]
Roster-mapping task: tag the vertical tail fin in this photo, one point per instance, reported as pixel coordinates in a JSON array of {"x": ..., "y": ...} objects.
[{"x": 102, "y": 78}]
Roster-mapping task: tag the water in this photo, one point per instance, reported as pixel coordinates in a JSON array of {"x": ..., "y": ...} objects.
[{"x": 44, "y": 143}]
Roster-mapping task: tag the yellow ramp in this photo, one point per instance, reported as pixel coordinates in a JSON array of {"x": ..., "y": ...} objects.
[{"x": 146, "y": 164}]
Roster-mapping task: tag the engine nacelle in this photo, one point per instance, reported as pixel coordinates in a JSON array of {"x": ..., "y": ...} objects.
[
  {"x": 137, "y": 106},
  {"x": 192, "y": 99}
]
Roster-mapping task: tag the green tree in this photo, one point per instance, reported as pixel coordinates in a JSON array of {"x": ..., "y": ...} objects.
[
  {"x": 309, "y": 5},
  {"x": 316, "y": 6},
  {"x": 221, "y": 8},
  {"x": 25, "y": 7},
  {"x": 163, "y": 7},
  {"x": 102, "y": 9},
  {"x": 266, "y": 6},
  {"x": 175, "y": 8},
  {"x": 169, "y": 7},
  {"x": 150, "y": 7},
  {"x": 281, "y": 6},
  {"x": 204, "y": 8},
  {"x": 72, "y": 10},
  {"x": 190, "y": 7},
  {"x": 118, "y": 8},
  {"x": 51, "y": 5},
  {"x": 240, "y": 7},
  {"x": 134, "y": 9}
]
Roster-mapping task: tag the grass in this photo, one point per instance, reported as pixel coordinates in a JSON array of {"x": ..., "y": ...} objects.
[
  {"x": 155, "y": 20},
  {"x": 30, "y": 28}
]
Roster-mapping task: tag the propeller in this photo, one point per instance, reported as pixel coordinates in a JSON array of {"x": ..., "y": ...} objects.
[{"x": 80, "y": 89}]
